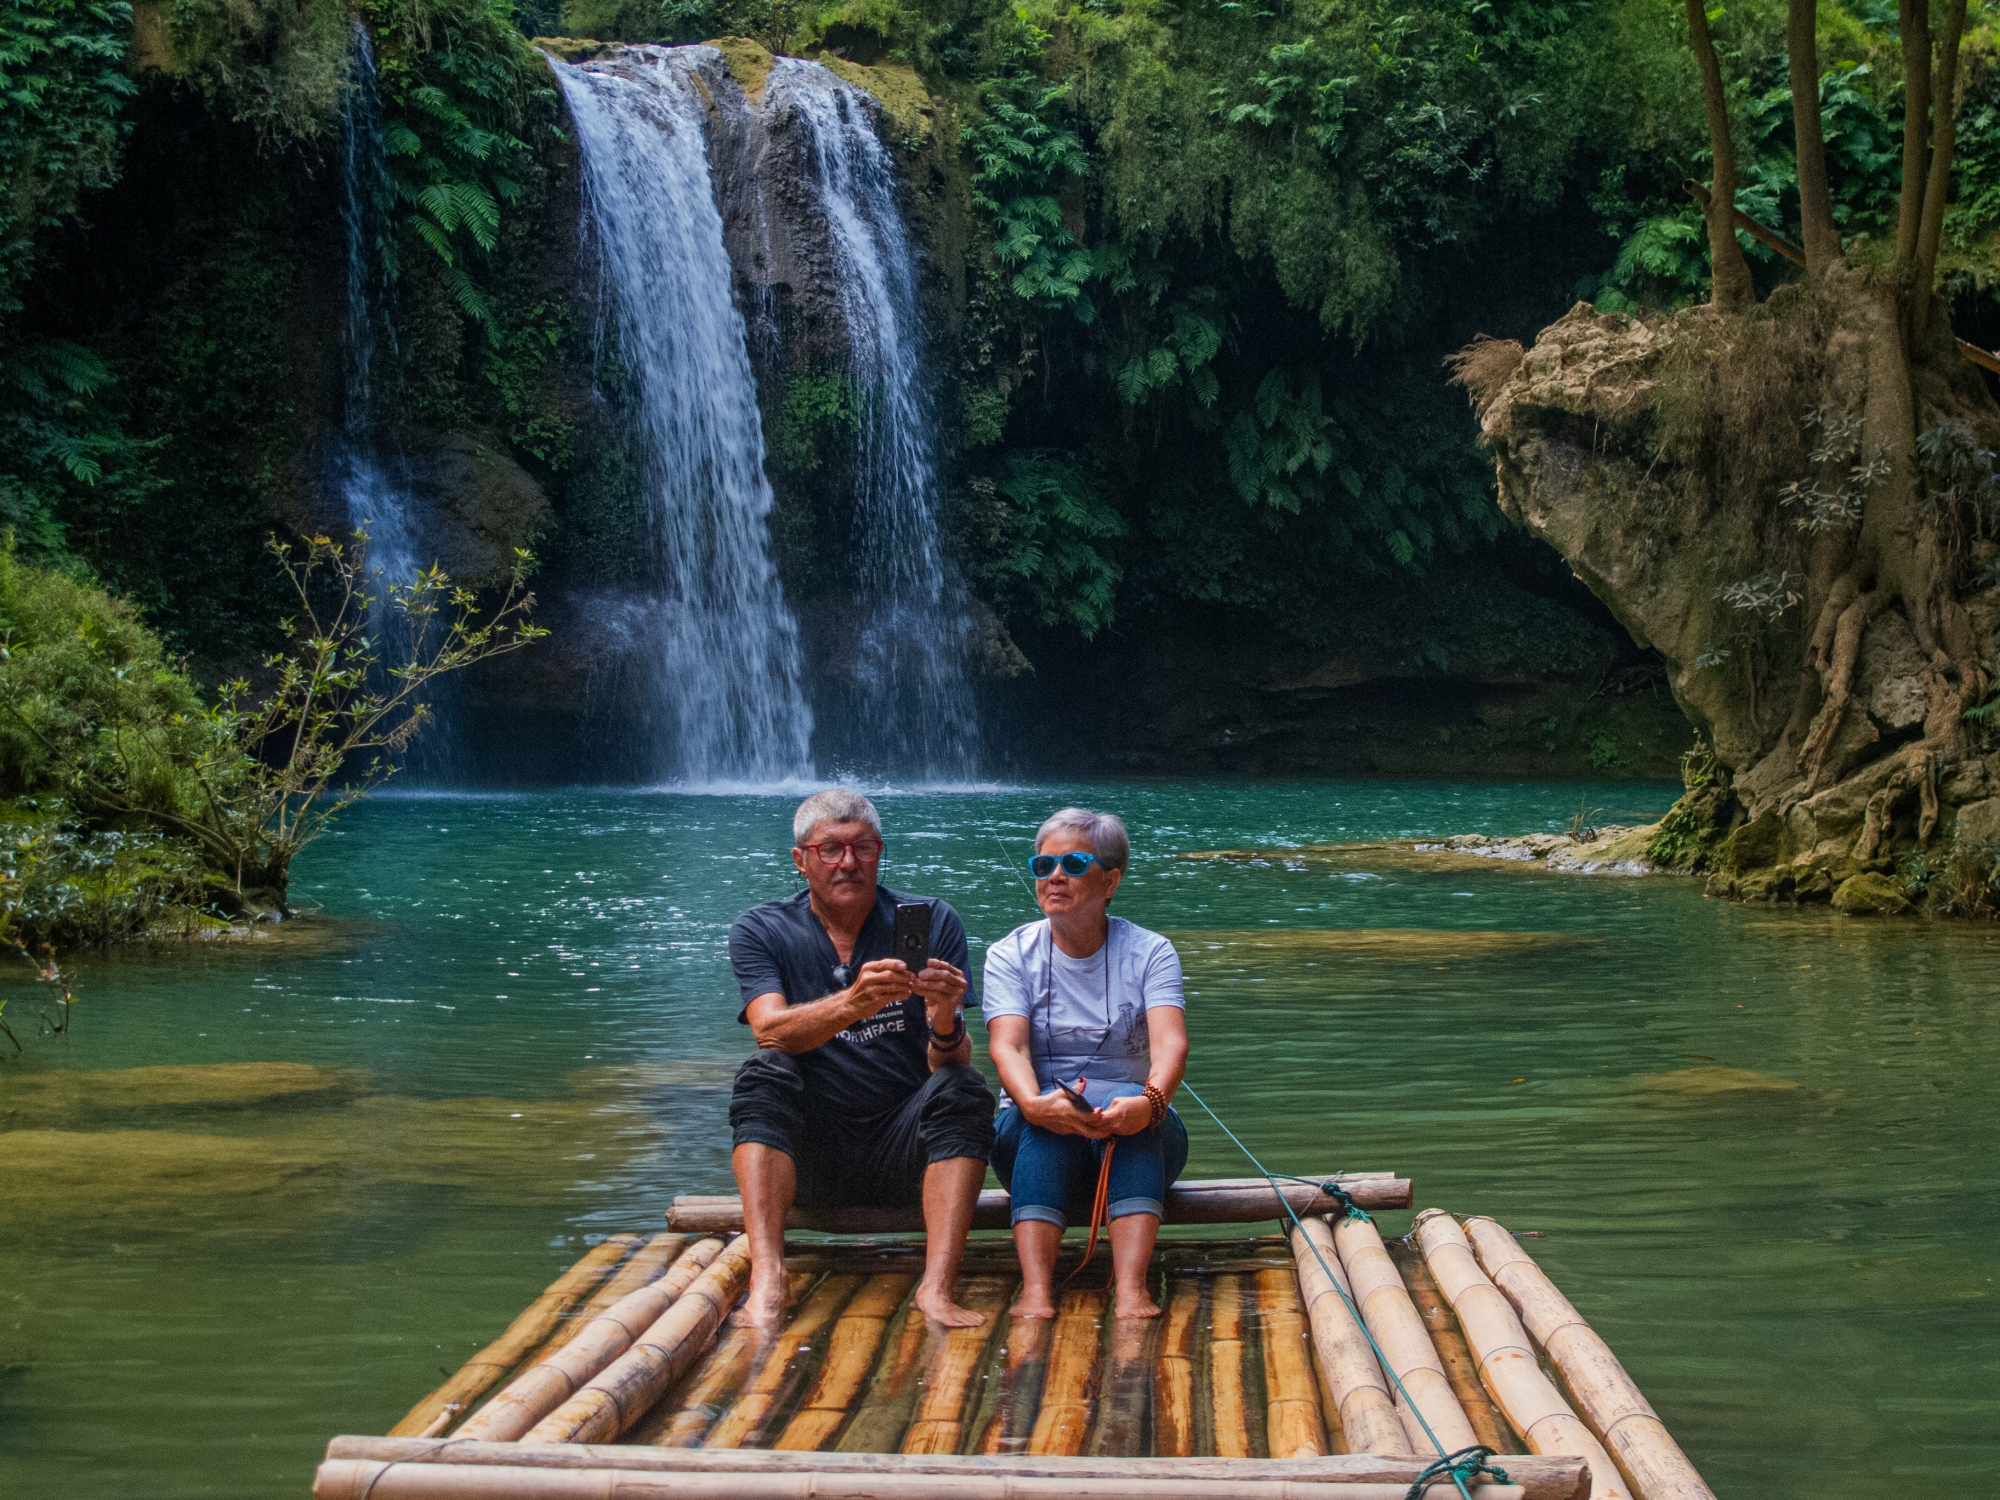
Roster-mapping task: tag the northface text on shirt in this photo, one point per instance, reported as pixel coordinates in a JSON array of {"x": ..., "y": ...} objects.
[{"x": 880, "y": 1024}]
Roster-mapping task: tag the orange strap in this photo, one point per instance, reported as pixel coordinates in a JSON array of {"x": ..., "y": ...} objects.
[{"x": 1098, "y": 1204}]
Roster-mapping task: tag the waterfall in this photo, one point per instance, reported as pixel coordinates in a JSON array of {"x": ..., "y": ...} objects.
[
  {"x": 372, "y": 494},
  {"x": 727, "y": 654},
  {"x": 910, "y": 688}
]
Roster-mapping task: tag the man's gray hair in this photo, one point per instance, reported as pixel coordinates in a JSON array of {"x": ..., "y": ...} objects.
[
  {"x": 835, "y": 805},
  {"x": 1108, "y": 839}
]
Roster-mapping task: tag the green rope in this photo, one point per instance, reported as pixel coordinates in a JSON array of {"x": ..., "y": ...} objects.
[
  {"x": 1445, "y": 1465},
  {"x": 1459, "y": 1467}
]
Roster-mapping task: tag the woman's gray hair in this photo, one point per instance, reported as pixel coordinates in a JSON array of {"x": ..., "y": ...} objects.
[
  {"x": 1108, "y": 839},
  {"x": 835, "y": 805}
]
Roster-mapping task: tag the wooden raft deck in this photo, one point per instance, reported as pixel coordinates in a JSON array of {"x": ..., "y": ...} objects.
[{"x": 634, "y": 1376}]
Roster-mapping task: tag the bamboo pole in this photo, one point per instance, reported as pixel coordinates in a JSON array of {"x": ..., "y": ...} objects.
[
  {"x": 1356, "y": 1388},
  {"x": 1460, "y": 1368},
  {"x": 1559, "y": 1478},
  {"x": 1607, "y": 1398},
  {"x": 1127, "y": 1399},
  {"x": 850, "y": 1358},
  {"x": 1228, "y": 1410},
  {"x": 1222, "y": 1200},
  {"x": 361, "y": 1479},
  {"x": 784, "y": 1368},
  {"x": 1173, "y": 1373},
  {"x": 1507, "y": 1361},
  {"x": 959, "y": 1355},
  {"x": 434, "y": 1414},
  {"x": 1024, "y": 1372},
  {"x": 1292, "y": 1427},
  {"x": 879, "y": 1425},
  {"x": 554, "y": 1377},
  {"x": 681, "y": 1419},
  {"x": 1405, "y": 1343},
  {"x": 620, "y": 1393},
  {"x": 1070, "y": 1392},
  {"x": 648, "y": 1264}
]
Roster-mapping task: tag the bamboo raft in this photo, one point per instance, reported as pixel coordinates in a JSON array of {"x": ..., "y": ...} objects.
[{"x": 634, "y": 1377}]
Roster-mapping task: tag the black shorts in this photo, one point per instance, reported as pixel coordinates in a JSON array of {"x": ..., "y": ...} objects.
[{"x": 872, "y": 1163}]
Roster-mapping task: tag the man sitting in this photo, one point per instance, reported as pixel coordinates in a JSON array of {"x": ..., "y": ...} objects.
[{"x": 862, "y": 1091}]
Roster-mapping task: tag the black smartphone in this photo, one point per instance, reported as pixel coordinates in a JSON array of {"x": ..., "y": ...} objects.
[
  {"x": 1073, "y": 1096},
  {"x": 913, "y": 935}
]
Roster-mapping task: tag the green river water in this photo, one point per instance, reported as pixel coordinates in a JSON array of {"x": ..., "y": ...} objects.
[{"x": 1759, "y": 1146}]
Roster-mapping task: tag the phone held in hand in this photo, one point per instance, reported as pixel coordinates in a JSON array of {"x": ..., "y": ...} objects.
[
  {"x": 913, "y": 935},
  {"x": 1074, "y": 1096}
]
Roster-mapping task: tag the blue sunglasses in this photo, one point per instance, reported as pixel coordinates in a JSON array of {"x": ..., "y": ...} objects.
[{"x": 1042, "y": 866}]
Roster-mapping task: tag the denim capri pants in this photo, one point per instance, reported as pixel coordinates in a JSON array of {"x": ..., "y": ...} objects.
[{"x": 1053, "y": 1178}]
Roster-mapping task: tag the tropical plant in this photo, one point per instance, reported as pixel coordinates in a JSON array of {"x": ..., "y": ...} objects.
[{"x": 253, "y": 779}]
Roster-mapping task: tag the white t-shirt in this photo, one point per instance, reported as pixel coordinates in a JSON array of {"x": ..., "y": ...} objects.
[{"x": 1086, "y": 1016}]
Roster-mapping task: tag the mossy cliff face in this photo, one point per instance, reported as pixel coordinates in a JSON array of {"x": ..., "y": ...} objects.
[{"x": 1782, "y": 512}]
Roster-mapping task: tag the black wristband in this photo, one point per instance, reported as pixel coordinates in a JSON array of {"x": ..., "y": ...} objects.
[{"x": 946, "y": 1043}]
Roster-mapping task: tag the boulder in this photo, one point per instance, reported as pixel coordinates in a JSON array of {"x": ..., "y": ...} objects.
[
  {"x": 1871, "y": 895},
  {"x": 1978, "y": 822}
]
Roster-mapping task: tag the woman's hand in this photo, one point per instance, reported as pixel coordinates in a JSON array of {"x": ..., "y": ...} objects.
[
  {"x": 1053, "y": 1112},
  {"x": 1127, "y": 1116}
]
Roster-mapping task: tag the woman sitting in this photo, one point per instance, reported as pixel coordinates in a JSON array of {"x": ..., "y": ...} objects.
[{"x": 1088, "y": 1000}]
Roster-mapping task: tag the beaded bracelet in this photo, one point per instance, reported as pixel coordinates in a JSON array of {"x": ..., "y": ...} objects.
[{"x": 1158, "y": 1100}]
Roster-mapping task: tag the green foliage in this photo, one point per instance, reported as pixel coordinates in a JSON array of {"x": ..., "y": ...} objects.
[
  {"x": 817, "y": 419},
  {"x": 73, "y": 868},
  {"x": 521, "y": 366},
  {"x": 1692, "y": 827},
  {"x": 277, "y": 65},
  {"x": 65, "y": 884},
  {"x": 1025, "y": 158},
  {"x": 1604, "y": 752},
  {"x": 1039, "y": 524},
  {"x": 62, "y": 89},
  {"x": 74, "y": 663},
  {"x": 456, "y": 82}
]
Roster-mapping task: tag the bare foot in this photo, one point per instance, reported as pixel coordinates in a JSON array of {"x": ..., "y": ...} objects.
[
  {"x": 1042, "y": 1306},
  {"x": 764, "y": 1303},
  {"x": 1139, "y": 1306},
  {"x": 939, "y": 1308}
]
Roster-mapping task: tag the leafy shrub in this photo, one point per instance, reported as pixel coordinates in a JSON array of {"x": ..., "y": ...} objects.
[{"x": 1039, "y": 525}]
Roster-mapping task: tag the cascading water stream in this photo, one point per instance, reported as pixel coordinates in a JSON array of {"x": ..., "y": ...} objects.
[
  {"x": 373, "y": 496},
  {"x": 728, "y": 655},
  {"x": 911, "y": 694}
]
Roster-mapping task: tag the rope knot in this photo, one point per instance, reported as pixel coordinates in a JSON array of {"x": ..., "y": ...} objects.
[
  {"x": 1458, "y": 1467},
  {"x": 1344, "y": 1201}
]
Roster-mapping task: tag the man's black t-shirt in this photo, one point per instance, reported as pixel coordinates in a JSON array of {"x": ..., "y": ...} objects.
[{"x": 876, "y": 1064}]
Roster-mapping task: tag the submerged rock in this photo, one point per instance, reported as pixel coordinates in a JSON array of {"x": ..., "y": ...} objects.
[{"x": 1871, "y": 895}]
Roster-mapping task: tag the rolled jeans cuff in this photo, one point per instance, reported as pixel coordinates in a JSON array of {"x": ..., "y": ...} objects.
[
  {"x": 1035, "y": 1213},
  {"x": 1126, "y": 1207}
]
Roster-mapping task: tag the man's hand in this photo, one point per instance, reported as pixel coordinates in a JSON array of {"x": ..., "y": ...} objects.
[
  {"x": 943, "y": 988},
  {"x": 880, "y": 984}
]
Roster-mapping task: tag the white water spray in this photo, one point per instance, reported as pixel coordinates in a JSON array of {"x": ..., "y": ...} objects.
[
  {"x": 911, "y": 690},
  {"x": 727, "y": 645},
  {"x": 374, "y": 497}
]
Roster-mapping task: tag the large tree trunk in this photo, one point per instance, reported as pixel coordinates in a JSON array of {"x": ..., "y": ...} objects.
[
  {"x": 1733, "y": 290},
  {"x": 1654, "y": 454},
  {"x": 1822, "y": 240}
]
